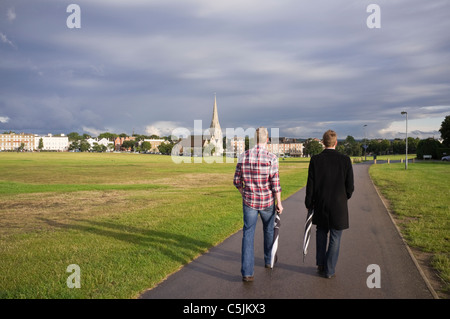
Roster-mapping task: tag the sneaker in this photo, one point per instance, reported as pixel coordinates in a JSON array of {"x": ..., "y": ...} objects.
[{"x": 248, "y": 278}]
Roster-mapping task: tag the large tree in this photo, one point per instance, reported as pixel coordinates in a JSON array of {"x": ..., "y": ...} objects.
[
  {"x": 429, "y": 146},
  {"x": 445, "y": 131},
  {"x": 74, "y": 136},
  {"x": 350, "y": 147},
  {"x": 312, "y": 147}
]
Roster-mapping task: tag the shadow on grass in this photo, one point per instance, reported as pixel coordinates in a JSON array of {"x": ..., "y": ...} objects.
[{"x": 177, "y": 247}]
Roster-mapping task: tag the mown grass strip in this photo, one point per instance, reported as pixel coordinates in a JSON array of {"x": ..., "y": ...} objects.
[{"x": 420, "y": 201}]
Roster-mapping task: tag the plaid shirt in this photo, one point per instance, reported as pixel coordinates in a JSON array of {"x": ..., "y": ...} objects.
[{"x": 257, "y": 173}]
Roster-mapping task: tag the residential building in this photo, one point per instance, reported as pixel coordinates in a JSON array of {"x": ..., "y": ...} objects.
[
  {"x": 154, "y": 144},
  {"x": 235, "y": 146},
  {"x": 103, "y": 141},
  {"x": 119, "y": 141},
  {"x": 191, "y": 145},
  {"x": 52, "y": 143},
  {"x": 13, "y": 141},
  {"x": 285, "y": 146}
]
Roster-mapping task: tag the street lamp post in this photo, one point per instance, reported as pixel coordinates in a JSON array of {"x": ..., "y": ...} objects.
[
  {"x": 406, "y": 156},
  {"x": 365, "y": 143}
]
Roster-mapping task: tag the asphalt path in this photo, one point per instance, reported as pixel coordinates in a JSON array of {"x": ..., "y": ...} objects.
[{"x": 372, "y": 239}]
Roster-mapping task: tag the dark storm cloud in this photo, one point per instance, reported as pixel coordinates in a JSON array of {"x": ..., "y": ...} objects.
[{"x": 302, "y": 67}]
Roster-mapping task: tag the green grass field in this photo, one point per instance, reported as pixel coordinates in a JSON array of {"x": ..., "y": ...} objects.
[
  {"x": 130, "y": 220},
  {"x": 419, "y": 198},
  {"x": 126, "y": 220}
]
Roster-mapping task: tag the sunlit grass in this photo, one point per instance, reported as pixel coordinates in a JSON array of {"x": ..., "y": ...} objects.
[
  {"x": 127, "y": 220},
  {"x": 419, "y": 197}
]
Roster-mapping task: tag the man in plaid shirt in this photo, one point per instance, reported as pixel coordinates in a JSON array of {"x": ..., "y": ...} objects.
[{"x": 258, "y": 181}]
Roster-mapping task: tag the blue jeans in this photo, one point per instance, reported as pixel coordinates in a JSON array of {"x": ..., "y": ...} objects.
[
  {"x": 250, "y": 219},
  {"x": 327, "y": 257}
]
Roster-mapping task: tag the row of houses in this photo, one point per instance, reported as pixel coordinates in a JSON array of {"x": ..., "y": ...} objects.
[
  {"x": 279, "y": 146},
  {"x": 234, "y": 147},
  {"x": 60, "y": 143},
  {"x": 30, "y": 142}
]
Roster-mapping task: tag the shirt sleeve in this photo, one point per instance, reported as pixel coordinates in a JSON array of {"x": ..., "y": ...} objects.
[
  {"x": 237, "y": 181},
  {"x": 275, "y": 177}
]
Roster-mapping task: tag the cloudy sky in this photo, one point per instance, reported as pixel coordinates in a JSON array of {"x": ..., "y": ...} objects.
[{"x": 150, "y": 66}]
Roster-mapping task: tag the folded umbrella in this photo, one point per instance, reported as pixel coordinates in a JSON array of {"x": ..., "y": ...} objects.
[
  {"x": 276, "y": 230},
  {"x": 307, "y": 235}
]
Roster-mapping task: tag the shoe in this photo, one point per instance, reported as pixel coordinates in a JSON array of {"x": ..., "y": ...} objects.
[
  {"x": 248, "y": 278},
  {"x": 321, "y": 269},
  {"x": 267, "y": 266},
  {"x": 329, "y": 276}
]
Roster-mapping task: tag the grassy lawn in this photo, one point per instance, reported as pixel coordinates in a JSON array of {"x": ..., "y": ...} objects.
[
  {"x": 420, "y": 200},
  {"x": 127, "y": 220}
]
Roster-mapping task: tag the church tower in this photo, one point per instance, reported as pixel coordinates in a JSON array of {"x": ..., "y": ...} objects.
[{"x": 216, "y": 139}]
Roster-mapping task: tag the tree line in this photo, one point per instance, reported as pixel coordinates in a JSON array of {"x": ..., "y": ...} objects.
[
  {"x": 351, "y": 147},
  {"x": 74, "y": 136},
  {"x": 420, "y": 147},
  {"x": 79, "y": 142}
]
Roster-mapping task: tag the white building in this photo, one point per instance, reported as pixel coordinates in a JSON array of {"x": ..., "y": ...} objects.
[
  {"x": 52, "y": 143},
  {"x": 103, "y": 141}
]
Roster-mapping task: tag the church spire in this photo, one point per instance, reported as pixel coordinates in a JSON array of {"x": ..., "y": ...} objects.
[
  {"x": 215, "y": 118},
  {"x": 216, "y": 132}
]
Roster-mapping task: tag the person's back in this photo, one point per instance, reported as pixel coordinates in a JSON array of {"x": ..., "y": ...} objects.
[
  {"x": 333, "y": 186},
  {"x": 257, "y": 179},
  {"x": 259, "y": 173},
  {"x": 329, "y": 186}
]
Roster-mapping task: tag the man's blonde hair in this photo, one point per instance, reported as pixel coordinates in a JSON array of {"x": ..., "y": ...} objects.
[
  {"x": 329, "y": 138},
  {"x": 261, "y": 135}
]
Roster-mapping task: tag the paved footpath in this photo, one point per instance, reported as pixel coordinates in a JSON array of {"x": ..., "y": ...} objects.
[{"x": 371, "y": 239}]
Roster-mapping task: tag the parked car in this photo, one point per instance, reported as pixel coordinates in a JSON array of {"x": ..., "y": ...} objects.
[{"x": 446, "y": 158}]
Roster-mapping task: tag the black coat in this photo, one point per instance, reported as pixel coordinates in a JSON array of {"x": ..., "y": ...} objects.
[{"x": 329, "y": 186}]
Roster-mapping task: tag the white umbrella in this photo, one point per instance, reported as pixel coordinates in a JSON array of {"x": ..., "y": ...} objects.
[
  {"x": 276, "y": 229},
  {"x": 307, "y": 235}
]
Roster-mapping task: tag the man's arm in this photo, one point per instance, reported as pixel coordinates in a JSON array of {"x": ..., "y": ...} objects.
[
  {"x": 279, "y": 205},
  {"x": 275, "y": 184},
  {"x": 237, "y": 180},
  {"x": 349, "y": 184},
  {"x": 309, "y": 202}
]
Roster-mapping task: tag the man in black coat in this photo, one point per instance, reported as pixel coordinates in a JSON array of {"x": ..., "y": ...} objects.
[{"x": 329, "y": 186}]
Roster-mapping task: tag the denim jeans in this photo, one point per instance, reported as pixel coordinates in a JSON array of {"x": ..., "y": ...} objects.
[
  {"x": 328, "y": 257},
  {"x": 250, "y": 219}
]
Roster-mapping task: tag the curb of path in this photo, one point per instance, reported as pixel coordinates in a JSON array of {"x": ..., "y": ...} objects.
[{"x": 425, "y": 278}]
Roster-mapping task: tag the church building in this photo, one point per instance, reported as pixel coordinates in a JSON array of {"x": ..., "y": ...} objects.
[
  {"x": 214, "y": 142},
  {"x": 210, "y": 143}
]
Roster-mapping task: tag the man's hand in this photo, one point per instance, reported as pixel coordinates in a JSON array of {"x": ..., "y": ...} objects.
[{"x": 279, "y": 207}]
